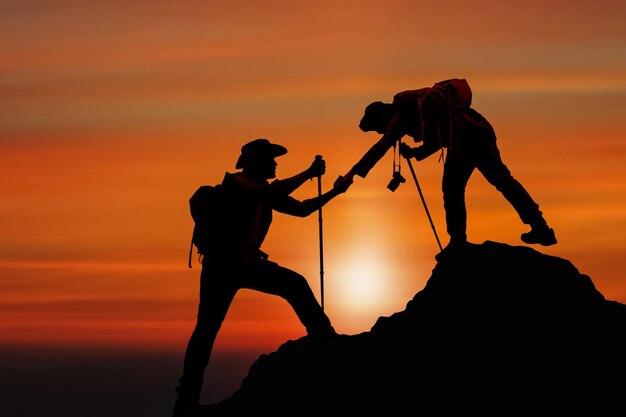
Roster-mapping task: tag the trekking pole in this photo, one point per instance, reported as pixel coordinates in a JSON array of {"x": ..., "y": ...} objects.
[
  {"x": 408, "y": 160},
  {"x": 319, "y": 193}
]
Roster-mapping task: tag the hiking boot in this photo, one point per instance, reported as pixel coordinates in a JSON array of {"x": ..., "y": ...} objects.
[{"x": 542, "y": 235}]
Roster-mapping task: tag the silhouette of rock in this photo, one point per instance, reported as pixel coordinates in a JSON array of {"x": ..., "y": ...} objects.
[{"x": 497, "y": 329}]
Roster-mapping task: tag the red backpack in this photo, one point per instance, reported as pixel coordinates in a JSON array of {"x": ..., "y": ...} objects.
[
  {"x": 441, "y": 98},
  {"x": 438, "y": 104},
  {"x": 207, "y": 209}
]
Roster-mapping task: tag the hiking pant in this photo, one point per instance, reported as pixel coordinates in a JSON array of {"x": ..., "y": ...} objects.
[
  {"x": 219, "y": 282},
  {"x": 484, "y": 155}
]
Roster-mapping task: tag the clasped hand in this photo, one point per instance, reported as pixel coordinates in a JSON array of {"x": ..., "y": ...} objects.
[
  {"x": 318, "y": 168},
  {"x": 342, "y": 183}
]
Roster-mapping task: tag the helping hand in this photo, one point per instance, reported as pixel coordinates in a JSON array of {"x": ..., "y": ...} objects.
[{"x": 343, "y": 183}]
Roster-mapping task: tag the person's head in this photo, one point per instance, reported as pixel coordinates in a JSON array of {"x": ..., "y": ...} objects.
[
  {"x": 257, "y": 158},
  {"x": 376, "y": 117}
]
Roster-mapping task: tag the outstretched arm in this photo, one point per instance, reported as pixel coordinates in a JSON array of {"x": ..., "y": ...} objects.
[
  {"x": 290, "y": 205},
  {"x": 289, "y": 185},
  {"x": 394, "y": 133}
]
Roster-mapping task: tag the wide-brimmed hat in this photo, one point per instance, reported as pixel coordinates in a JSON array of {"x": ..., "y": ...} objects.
[{"x": 259, "y": 148}]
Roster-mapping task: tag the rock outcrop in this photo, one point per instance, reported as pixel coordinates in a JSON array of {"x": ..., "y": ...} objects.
[{"x": 497, "y": 329}]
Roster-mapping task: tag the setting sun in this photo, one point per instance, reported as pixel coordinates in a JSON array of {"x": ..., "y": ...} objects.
[{"x": 361, "y": 285}]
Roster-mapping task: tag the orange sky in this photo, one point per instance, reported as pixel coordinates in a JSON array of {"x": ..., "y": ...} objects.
[{"x": 113, "y": 113}]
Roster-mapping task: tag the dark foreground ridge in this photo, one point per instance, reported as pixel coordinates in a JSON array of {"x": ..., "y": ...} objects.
[{"x": 497, "y": 328}]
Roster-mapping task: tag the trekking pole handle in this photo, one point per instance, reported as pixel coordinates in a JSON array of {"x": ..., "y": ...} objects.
[{"x": 318, "y": 158}]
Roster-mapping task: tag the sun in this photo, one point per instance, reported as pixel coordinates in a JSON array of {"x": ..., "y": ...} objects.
[
  {"x": 364, "y": 282},
  {"x": 362, "y": 286}
]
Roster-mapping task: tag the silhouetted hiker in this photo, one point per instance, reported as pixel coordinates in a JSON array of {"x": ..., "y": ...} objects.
[
  {"x": 241, "y": 264},
  {"x": 441, "y": 117}
]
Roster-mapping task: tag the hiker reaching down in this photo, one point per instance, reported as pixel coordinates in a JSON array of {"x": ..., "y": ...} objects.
[
  {"x": 440, "y": 117},
  {"x": 238, "y": 262}
]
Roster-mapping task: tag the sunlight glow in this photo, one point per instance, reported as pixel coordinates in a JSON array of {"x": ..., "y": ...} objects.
[{"x": 363, "y": 286}]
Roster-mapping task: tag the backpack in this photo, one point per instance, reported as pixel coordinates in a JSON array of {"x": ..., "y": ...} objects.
[
  {"x": 207, "y": 207},
  {"x": 436, "y": 104},
  {"x": 442, "y": 97}
]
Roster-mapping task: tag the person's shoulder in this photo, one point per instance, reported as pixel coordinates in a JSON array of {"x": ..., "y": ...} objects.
[
  {"x": 239, "y": 182},
  {"x": 472, "y": 116},
  {"x": 233, "y": 175},
  {"x": 235, "y": 180},
  {"x": 472, "y": 122},
  {"x": 230, "y": 177}
]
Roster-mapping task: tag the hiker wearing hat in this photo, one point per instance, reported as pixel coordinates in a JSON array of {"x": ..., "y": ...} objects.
[
  {"x": 244, "y": 265},
  {"x": 440, "y": 117}
]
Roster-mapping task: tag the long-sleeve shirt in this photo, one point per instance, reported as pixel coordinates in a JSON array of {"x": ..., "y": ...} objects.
[
  {"x": 252, "y": 202},
  {"x": 459, "y": 135}
]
